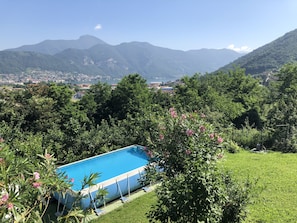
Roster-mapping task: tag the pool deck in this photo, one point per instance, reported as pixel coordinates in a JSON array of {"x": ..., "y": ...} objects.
[{"x": 118, "y": 203}]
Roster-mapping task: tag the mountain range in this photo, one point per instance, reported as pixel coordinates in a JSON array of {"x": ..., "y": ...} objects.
[{"x": 92, "y": 56}]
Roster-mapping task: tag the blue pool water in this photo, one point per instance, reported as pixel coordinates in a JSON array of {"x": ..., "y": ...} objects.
[{"x": 108, "y": 165}]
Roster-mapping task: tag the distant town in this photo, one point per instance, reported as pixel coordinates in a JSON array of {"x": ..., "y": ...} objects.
[
  {"x": 82, "y": 81},
  {"x": 37, "y": 76}
]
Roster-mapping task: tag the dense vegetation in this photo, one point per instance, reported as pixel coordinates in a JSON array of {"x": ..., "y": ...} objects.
[
  {"x": 41, "y": 126},
  {"x": 270, "y": 57},
  {"x": 275, "y": 198}
]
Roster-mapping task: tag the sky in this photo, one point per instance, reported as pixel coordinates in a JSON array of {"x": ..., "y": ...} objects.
[{"x": 241, "y": 25}]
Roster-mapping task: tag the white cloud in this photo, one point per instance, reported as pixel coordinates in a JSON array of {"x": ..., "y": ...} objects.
[
  {"x": 242, "y": 49},
  {"x": 98, "y": 26}
]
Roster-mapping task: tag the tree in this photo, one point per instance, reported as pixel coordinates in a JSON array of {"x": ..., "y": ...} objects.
[
  {"x": 96, "y": 102},
  {"x": 282, "y": 116},
  {"x": 131, "y": 96}
]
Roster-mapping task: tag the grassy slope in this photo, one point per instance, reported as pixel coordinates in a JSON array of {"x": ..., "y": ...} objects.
[{"x": 276, "y": 174}]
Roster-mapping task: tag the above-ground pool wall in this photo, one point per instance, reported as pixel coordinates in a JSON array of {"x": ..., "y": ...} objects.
[
  {"x": 117, "y": 188},
  {"x": 68, "y": 199}
]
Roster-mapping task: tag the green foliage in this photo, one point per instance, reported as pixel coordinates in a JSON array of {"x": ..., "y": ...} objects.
[
  {"x": 185, "y": 150},
  {"x": 96, "y": 102},
  {"x": 282, "y": 116},
  {"x": 232, "y": 147},
  {"x": 238, "y": 199},
  {"x": 26, "y": 184},
  {"x": 131, "y": 96},
  {"x": 248, "y": 137},
  {"x": 186, "y": 147},
  {"x": 270, "y": 57},
  {"x": 225, "y": 96}
]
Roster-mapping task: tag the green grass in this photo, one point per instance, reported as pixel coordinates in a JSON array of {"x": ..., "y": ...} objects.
[
  {"x": 131, "y": 212},
  {"x": 277, "y": 176},
  {"x": 277, "y": 180}
]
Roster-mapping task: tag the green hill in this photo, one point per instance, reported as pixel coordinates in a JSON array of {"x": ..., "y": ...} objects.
[{"x": 269, "y": 57}]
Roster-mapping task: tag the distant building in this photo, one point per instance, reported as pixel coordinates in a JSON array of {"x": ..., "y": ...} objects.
[{"x": 167, "y": 89}]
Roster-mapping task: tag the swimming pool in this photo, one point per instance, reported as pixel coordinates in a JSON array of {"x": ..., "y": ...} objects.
[{"x": 119, "y": 171}]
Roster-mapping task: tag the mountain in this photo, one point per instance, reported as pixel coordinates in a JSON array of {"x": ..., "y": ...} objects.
[
  {"x": 269, "y": 57},
  {"x": 91, "y": 56},
  {"x": 17, "y": 62},
  {"x": 52, "y": 47},
  {"x": 147, "y": 60}
]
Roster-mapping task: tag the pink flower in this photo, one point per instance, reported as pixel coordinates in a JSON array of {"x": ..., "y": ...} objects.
[
  {"x": 202, "y": 128},
  {"x": 10, "y": 206},
  {"x": 4, "y": 197},
  {"x": 48, "y": 156},
  {"x": 36, "y": 175},
  {"x": 202, "y": 115},
  {"x": 220, "y": 140},
  {"x": 161, "y": 136},
  {"x": 183, "y": 116},
  {"x": 36, "y": 184},
  {"x": 189, "y": 132},
  {"x": 1, "y": 160},
  {"x": 188, "y": 152},
  {"x": 171, "y": 109},
  {"x": 211, "y": 136},
  {"x": 1, "y": 139},
  {"x": 173, "y": 113},
  {"x": 149, "y": 153},
  {"x": 71, "y": 180}
]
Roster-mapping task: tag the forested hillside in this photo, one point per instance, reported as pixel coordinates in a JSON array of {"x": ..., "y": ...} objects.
[
  {"x": 270, "y": 57},
  {"x": 93, "y": 57},
  {"x": 42, "y": 126}
]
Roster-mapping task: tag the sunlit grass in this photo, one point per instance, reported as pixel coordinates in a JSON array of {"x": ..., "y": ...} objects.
[
  {"x": 276, "y": 176},
  {"x": 131, "y": 212}
]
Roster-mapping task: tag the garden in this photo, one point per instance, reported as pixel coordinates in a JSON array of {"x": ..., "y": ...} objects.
[{"x": 200, "y": 137}]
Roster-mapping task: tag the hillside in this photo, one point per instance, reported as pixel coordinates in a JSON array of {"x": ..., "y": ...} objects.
[
  {"x": 269, "y": 57},
  {"x": 52, "y": 47},
  {"x": 92, "y": 56}
]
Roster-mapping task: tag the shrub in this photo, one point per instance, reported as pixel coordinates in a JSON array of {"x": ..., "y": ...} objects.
[{"x": 186, "y": 149}]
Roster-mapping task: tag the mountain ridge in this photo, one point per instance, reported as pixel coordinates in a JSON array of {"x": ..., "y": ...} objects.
[
  {"x": 269, "y": 57},
  {"x": 99, "y": 58}
]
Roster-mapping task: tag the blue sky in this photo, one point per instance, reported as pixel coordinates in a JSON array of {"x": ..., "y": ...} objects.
[{"x": 175, "y": 24}]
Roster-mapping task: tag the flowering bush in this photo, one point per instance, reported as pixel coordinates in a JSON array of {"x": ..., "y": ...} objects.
[
  {"x": 183, "y": 139},
  {"x": 186, "y": 149},
  {"x": 26, "y": 185}
]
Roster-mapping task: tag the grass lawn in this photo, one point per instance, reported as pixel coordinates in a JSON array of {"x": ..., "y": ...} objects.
[
  {"x": 131, "y": 212},
  {"x": 277, "y": 176},
  {"x": 277, "y": 179}
]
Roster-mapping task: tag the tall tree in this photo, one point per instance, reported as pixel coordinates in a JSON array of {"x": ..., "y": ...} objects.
[
  {"x": 131, "y": 96},
  {"x": 95, "y": 102}
]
